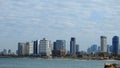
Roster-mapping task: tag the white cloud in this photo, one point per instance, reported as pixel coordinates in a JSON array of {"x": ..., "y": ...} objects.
[{"x": 28, "y": 18}]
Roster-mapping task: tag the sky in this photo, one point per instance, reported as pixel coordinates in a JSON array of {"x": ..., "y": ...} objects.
[{"x": 86, "y": 20}]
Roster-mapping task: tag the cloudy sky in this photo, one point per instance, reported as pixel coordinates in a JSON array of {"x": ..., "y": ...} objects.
[{"x": 87, "y": 20}]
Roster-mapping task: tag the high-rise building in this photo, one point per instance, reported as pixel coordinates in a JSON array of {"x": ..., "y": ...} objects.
[
  {"x": 72, "y": 46},
  {"x": 103, "y": 44},
  {"x": 115, "y": 45},
  {"x": 59, "y": 48},
  {"x": 45, "y": 47},
  {"x": 54, "y": 46},
  {"x": 9, "y": 52},
  {"x": 111, "y": 48},
  {"x": 36, "y": 47},
  {"x": 60, "y": 45},
  {"x": 29, "y": 48},
  {"x": 21, "y": 48},
  {"x": 99, "y": 48},
  {"x": 89, "y": 50},
  {"x": 92, "y": 49},
  {"x": 25, "y": 48},
  {"x": 77, "y": 48},
  {"x": 4, "y": 52}
]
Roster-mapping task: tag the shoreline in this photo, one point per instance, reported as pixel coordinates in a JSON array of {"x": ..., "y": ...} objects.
[{"x": 55, "y": 58}]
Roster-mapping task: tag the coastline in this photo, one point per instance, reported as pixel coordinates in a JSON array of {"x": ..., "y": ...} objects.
[{"x": 15, "y": 56}]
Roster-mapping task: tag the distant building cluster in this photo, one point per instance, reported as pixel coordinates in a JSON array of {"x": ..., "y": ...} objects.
[
  {"x": 42, "y": 47},
  {"x": 6, "y": 52},
  {"x": 47, "y": 48},
  {"x": 58, "y": 48},
  {"x": 105, "y": 48}
]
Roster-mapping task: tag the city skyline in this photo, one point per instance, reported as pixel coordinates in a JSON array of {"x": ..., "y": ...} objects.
[
  {"x": 33, "y": 47},
  {"x": 28, "y": 20}
]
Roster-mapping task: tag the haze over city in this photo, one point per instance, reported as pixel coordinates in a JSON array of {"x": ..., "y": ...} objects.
[{"x": 86, "y": 20}]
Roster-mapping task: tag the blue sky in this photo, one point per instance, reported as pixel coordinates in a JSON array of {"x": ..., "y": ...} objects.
[{"x": 87, "y": 20}]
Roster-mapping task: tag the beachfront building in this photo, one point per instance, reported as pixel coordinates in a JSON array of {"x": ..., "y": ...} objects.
[
  {"x": 73, "y": 46},
  {"x": 103, "y": 44},
  {"x": 115, "y": 45},
  {"x": 59, "y": 48},
  {"x": 36, "y": 47},
  {"x": 92, "y": 49},
  {"x": 21, "y": 48},
  {"x": 25, "y": 48},
  {"x": 45, "y": 47},
  {"x": 29, "y": 48}
]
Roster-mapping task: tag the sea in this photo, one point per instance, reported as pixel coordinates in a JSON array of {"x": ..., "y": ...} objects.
[{"x": 52, "y": 63}]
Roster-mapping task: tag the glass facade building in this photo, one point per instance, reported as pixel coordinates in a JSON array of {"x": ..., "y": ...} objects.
[
  {"x": 115, "y": 45},
  {"x": 73, "y": 46}
]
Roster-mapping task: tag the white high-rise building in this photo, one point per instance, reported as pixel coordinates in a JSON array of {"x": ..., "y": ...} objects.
[
  {"x": 103, "y": 44},
  {"x": 29, "y": 48},
  {"x": 45, "y": 47}
]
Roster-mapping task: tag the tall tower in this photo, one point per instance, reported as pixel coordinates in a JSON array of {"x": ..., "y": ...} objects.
[
  {"x": 103, "y": 44},
  {"x": 72, "y": 46},
  {"x": 77, "y": 48},
  {"x": 115, "y": 44},
  {"x": 36, "y": 47}
]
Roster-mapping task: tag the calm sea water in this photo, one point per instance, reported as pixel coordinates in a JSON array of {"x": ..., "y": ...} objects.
[{"x": 51, "y": 63}]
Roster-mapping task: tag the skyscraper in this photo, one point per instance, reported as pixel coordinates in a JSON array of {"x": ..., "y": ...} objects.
[
  {"x": 103, "y": 44},
  {"x": 111, "y": 49},
  {"x": 36, "y": 47},
  {"x": 9, "y": 52},
  {"x": 77, "y": 48},
  {"x": 25, "y": 48},
  {"x": 21, "y": 48},
  {"x": 72, "y": 46},
  {"x": 59, "y": 48},
  {"x": 4, "y": 52},
  {"x": 29, "y": 48},
  {"x": 92, "y": 49},
  {"x": 115, "y": 45},
  {"x": 45, "y": 47},
  {"x": 60, "y": 45},
  {"x": 99, "y": 48}
]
